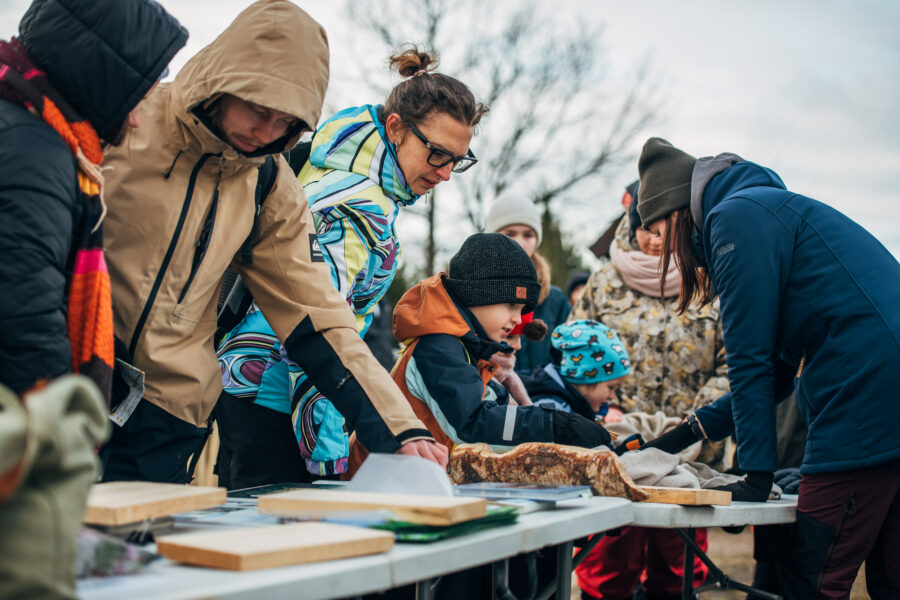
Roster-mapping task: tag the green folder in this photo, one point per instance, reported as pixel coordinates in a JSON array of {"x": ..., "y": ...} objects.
[{"x": 416, "y": 533}]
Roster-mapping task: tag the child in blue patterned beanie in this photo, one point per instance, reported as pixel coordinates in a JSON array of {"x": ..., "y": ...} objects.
[{"x": 593, "y": 364}]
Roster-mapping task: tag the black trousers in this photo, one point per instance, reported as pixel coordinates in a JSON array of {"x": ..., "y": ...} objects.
[
  {"x": 257, "y": 446},
  {"x": 152, "y": 445}
]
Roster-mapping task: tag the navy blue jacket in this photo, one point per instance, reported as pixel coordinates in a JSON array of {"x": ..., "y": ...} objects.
[
  {"x": 799, "y": 281},
  {"x": 443, "y": 373},
  {"x": 546, "y": 387}
]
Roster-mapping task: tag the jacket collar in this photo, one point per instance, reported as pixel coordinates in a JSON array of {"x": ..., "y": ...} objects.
[
  {"x": 354, "y": 140},
  {"x": 704, "y": 170},
  {"x": 476, "y": 341}
]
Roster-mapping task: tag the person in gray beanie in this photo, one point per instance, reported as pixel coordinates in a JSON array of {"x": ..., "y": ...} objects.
[
  {"x": 809, "y": 303},
  {"x": 519, "y": 219}
]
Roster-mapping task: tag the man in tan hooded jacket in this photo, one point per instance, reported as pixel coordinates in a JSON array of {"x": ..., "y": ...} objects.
[{"x": 181, "y": 204}]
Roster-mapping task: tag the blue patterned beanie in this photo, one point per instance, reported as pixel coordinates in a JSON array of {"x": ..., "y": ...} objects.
[{"x": 591, "y": 352}]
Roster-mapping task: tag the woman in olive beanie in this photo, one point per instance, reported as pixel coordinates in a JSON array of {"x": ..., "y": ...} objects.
[{"x": 808, "y": 301}]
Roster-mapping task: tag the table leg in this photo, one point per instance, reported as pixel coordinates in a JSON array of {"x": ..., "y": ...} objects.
[
  {"x": 499, "y": 577},
  {"x": 586, "y": 549},
  {"x": 687, "y": 581},
  {"x": 716, "y": 578},
  {"x": 564, "y": 567},
  {"x": 564, "y": 571},
  {"x": 425, "y": 589}
]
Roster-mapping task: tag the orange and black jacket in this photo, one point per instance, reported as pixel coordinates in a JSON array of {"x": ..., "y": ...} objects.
[{"x": 445, "y": 373}]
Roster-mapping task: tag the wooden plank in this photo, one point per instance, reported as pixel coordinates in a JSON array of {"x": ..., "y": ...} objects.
[
  {"x": 121, "y": 502},
  {"x": 425, "y": 510},
  {"x": 686, "y": 496},
  {"x": 273, "y": 546}
]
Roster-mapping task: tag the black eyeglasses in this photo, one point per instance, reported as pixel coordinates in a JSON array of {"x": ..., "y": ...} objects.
[{"x": 439, "y": 158}]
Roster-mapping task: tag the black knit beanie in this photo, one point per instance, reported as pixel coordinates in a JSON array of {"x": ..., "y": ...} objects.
[
  {"x": 490, "y": 268},
  {"x": 665, "y": 173}
]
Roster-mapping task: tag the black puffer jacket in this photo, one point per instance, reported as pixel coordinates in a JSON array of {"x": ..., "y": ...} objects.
[{"x": 102, "y": 57}]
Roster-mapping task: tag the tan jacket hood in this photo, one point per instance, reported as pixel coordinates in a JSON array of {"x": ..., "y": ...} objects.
[
  {"x": 181, "y": 204},
  {"x": 273, "y": 54}
]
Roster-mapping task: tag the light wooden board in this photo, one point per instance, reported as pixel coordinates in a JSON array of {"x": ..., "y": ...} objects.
[
  {"x": 121, "y": 502},
  {"x": 273, "y": 546},
  {"x": 425, "y": 510},
  {"x": 686, "y": 496}
]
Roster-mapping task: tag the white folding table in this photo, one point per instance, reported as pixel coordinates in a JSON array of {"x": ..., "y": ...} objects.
[
  {"x": 685, "y": 519},
  {"x": 405, "y": 564}
]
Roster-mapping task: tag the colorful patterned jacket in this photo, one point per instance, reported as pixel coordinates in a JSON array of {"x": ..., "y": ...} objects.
[{"x": 355, "y": 189}]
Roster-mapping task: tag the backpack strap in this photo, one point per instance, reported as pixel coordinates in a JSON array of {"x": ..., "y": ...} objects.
[
  {"x": 268, "y": 171},
  {"x": 234, "y": 302},
  {"x": 297, "y": 156},
  {"x": 234, "y": 297}
]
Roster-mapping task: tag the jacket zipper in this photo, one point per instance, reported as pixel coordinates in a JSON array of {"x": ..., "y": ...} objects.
[
  {"x": 203, "y": 241},
  {"x": 151, "y": 298}
]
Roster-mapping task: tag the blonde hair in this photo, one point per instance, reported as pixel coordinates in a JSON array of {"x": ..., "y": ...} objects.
[{"x": 543, "y": 273}]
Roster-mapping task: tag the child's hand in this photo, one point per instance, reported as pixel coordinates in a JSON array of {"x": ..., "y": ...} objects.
[{"x": 505, "y": 365}]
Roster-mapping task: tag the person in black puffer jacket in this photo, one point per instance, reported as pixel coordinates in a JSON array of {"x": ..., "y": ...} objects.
[
  {"x": 69, "y": 83},
  {"x": 100, "y": 59}
]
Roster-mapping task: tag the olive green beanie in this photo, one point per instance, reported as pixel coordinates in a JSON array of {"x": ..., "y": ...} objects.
[{"x": 665, "y": 173}]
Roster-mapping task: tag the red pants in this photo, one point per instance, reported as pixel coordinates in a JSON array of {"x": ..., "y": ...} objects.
[{"x": 655, "y": 557}]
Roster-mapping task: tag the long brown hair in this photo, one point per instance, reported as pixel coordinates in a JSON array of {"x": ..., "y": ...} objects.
[
  {"x": 695, "y": 282},
  {"x": 423, "y": 91}
]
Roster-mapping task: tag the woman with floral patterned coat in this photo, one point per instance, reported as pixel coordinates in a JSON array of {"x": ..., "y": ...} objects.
[
  {"x": 365, "y": 163},
  {"x": 678, "y": 360},
  {"x": 678, "y": 365}
]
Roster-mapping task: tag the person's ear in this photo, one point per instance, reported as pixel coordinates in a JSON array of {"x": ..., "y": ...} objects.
[{"x": 395, "y": 128}]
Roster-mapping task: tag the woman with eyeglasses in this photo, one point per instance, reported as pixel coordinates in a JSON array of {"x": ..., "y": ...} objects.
[{"x": 365, "y": 164}]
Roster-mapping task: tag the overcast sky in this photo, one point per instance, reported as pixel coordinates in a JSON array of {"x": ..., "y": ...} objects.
[{"x": 810, "y": 88}]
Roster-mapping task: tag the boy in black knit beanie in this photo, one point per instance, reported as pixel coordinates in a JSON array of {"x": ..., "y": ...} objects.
[{"x": 451, "y": 325}]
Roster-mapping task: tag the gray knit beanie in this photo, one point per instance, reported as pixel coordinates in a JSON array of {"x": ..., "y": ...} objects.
[
  {"x": 665, "y": 173},
  {"x": 514, "y": 210},
  {"x": 490, "y": 268}
]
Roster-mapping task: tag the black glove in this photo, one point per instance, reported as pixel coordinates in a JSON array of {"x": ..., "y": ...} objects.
[
  {"x": 575, "y": 430},
  {"x": 788, "y": 480},
  {"x": 674, "y": 440},
  {"x": 755, "y": 487}
]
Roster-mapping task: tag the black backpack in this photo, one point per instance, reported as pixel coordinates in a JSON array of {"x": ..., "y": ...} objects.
[{"x": 234, "y": 297}]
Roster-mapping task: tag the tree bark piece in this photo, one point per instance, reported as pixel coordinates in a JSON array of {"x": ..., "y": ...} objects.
[{"x": 542, "y": 463}]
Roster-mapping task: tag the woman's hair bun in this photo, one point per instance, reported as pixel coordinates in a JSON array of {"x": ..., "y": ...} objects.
[
  {"x": 411, "y": 61},
  {"x": 415, "y": 98}
]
